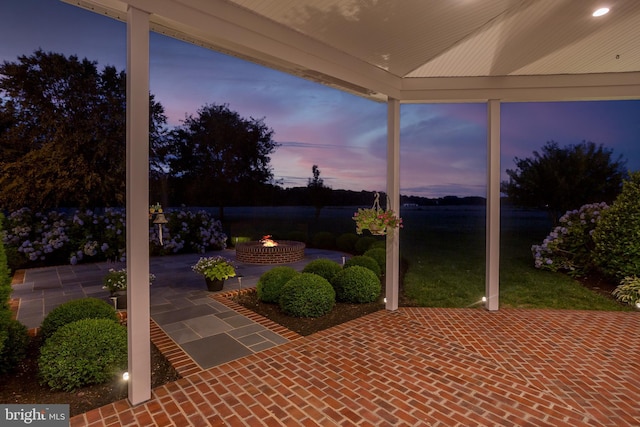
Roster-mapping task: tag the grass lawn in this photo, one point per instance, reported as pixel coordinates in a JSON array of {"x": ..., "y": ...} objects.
[{"x": 445, "y": 250}]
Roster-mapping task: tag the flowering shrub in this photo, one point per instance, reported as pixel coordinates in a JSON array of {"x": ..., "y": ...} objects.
[
  {"x": 568, "y": 247},
  {"x": 628, "y": 291},
  {"x": 376, "y": 220},
  {"x": 53, "y": 238}
]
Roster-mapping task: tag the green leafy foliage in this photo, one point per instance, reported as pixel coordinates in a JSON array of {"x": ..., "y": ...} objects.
[
  {"x": 84, "y": 308},
  {"x": 14, "y": 348},
  {"x": 324, "y": 240},
  {"x": 380, "y": 256},
  {"x": 271, "y": 282},
  {"x": 215, "y": 268},
  {"x": 562, "y": 179},
  {"x": 307, "y": 295},
  {"x": 616, "y": 237},
  {"x": 88, "y": 351},
  {"x": 628, "y": 291},
  {"x": 364, "y": 261},
  {"x": 65, "y": 132},
  {"x": 364, "y": 244},
  {"x": 346, "y": 242},
  {"x": 323, "y": 267},
  {"x": 356, "y": 284},
  {"x": 568, "y": 248}
]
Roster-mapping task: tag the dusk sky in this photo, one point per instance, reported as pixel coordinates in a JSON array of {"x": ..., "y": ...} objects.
[{"x": 443, "y": 146}]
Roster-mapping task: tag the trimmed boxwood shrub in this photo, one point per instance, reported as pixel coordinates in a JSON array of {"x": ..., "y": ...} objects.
[
  {"x": 356, "y": 285},
  {"x": 297, "y": 236},
  {"x": 15, "y": 346},
  {"x": 347, "y": 242},
  {"x": 324, "y": 240},
  {"x": 307, "y": 295},
  {"x": 364, "y": 244},
  {"x": 364, "y": 261},
  {"x": 89, "y": 351},
  {"x": 270, "y": 284},
  {"x": 84, "y": 308},
  {"x": 380, "y": 255},
  {"x": 323, "y": 267}
]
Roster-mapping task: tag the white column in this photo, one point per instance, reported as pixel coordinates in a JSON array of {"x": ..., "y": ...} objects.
[
  {"x": 392, "y": 285},
  {"x": 492, "y": 278},
  {"x": 138, "y": 206}
]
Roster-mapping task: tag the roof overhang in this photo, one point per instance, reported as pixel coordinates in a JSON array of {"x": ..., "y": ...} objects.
[{"x": 512, "y": 50}]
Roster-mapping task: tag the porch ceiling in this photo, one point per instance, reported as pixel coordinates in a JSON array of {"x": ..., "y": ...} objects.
[{"x": 420, "y": 50}]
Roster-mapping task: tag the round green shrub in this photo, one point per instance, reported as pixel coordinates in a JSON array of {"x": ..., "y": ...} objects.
[
  {"x": 356, "y": 284},
  {"x": 14, "y": 348},
  {"x": 84, "y": 308},
  {"x": 364, "y": 244},
  {"x": 324, "y": 240},
  {"x": 88, "y": 351},
  {"x": 380, "y": 256},
  {"x": 270, "y": 284},
  {"x": 297, "y": 236},
  {"x": 364, "y": 261},
  {"x": 379, "y": 244},
  {"x": 307, "y": 295},
  {"x": 617, "y": 246},
  {"x": 347, "y": 242},
  {"x": 323, "y": 267}
]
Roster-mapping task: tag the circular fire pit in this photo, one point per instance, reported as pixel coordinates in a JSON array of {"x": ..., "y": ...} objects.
[{"x": 255, "y": 253}]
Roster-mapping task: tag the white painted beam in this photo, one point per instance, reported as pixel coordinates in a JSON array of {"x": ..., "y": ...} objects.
[
  {"x": 492, "y": 274},
  {"x": 139, "y": 334},
  {"x": 392, "y": 284}
]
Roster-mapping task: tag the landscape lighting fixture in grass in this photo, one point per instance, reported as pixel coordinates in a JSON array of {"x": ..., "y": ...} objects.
[
  {"x": 600, "y": 12},
  {"x": 125, "y": 376}
]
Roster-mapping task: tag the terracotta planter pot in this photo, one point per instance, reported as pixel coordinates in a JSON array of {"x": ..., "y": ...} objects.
[{"x": 214, "y": 285}]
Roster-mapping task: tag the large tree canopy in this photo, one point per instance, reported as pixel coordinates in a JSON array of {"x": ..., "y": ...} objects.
[
  {"x": 218, "y": 155},
  {"x": 62, "y": 133},
  {"x": 561, "y": 179}
]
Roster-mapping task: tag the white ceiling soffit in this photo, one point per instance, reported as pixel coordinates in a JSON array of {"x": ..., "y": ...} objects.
[{"x": 420, "y": 50}]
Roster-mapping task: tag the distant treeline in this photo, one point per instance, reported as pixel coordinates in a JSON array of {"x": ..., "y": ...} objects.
[{"x": 270, "y": 195}]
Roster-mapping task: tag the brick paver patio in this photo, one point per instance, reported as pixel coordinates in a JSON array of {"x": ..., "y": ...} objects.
[{"x": 413, "y": 367}]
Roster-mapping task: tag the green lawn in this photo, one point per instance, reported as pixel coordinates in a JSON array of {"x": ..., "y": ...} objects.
[
  {"x": 445, "y": 250},
  {"x": 447, "y": 269}
]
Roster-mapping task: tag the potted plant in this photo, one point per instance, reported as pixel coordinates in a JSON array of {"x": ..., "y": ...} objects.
[
  {"x": 115, "y": 281},
  {"x": 216, "y": 270},
  {"x": 375, "y": 219}
]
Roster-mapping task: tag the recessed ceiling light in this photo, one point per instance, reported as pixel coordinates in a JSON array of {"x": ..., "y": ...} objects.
[{"x": 601, "y": 11}]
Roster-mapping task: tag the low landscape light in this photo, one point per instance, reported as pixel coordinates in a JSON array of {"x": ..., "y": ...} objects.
[{"x": 125, "y": 376}]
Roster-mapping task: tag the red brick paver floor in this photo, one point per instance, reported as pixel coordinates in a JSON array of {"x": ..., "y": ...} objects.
[{"x": 415, "y": 367}]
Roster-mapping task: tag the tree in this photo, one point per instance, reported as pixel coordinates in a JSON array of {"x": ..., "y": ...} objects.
[
  {"x": 561, "y": 179},
  {"x": 318, "y": 192},
  {"x": 219, "y": 155},
  {"x": 62, "y": 133}
]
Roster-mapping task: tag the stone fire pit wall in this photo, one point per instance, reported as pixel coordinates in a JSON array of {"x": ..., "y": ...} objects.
[{"x": 286, "y": 252}]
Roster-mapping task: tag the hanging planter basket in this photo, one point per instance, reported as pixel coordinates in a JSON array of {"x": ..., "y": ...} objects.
[{"x": 375, "y": 219}]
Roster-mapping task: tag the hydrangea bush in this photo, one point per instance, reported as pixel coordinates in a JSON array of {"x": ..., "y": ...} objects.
[
  {"x": 57, "y": 237},
  {"x": 569, "y": 245}
]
